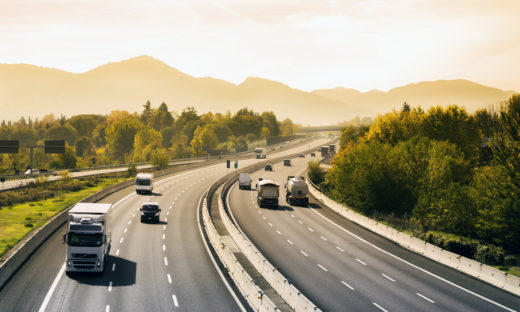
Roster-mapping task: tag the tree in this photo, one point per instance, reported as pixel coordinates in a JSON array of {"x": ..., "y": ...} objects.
[
  {"x": 162, "y": 118},
  {"x": 146, "y": 141},
  {"x": 83, "y": 145},
  {"x": 120, "y": 136},
  {"x": 204, "y": 140},
  {"x": 146, "y": 115},
  {"x": 160, "y": 158}
]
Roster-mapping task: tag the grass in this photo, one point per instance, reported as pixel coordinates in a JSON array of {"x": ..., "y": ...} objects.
[{"x": 18, "y": 220}]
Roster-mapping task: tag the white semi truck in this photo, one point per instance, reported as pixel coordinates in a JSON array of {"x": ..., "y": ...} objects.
[
  {"x": 88, "y": 237},
  {"x": 296, "y": 191},
  {"x": 144, "y": 183},
  {"x": 268, "y": 192}
]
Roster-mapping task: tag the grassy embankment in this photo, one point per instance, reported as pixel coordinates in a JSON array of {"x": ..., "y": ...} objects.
[{"x": 17, "y": 220}]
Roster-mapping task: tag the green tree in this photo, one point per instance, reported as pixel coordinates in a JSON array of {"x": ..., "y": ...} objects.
[
  {"x": 146, "y": 140},
  {"x": 120, "y": 136},
  {"x": 160, "y": 158},
  {"x": 83, "y": 145}
]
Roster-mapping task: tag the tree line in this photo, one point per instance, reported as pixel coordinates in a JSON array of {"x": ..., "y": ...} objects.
[
  {"x": 437, "y": 171},
  {"x": 155, "y": 135}
]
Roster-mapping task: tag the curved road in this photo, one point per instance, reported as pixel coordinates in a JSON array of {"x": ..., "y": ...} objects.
[
  {"x": 342, "y": 267},
  {"x": 153, "y": 267}
]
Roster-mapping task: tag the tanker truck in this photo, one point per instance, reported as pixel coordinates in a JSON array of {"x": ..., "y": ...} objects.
[
  {"x": 268, "y": 191},
  {"x": 296, "y": 191}
]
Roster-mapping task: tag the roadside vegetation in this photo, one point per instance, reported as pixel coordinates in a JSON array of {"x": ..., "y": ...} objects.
[
  {"x": 155, "y": 135},
  {"x": 28, "y": 208},
  {"x": 445, "y": 176}
]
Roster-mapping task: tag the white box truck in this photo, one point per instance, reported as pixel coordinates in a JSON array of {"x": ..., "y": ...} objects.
[
  {"x": 268, "y": 192},
  {"x": 296, "y": 191},
  {"x": 244, "y": 181},
  {"x": 144, "y": 183},
  {"x": 88, "y": 237}
]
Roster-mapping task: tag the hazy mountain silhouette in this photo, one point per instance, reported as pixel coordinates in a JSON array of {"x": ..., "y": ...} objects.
[{"x": 27, "y": 90}]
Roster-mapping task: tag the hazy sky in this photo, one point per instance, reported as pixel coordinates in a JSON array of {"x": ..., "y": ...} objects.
[{"x": 361, "y": 44}]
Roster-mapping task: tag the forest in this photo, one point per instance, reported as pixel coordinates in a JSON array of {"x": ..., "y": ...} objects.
[
  {"x": 445, "y": 175},
  {"x": 155, "y": 135}
]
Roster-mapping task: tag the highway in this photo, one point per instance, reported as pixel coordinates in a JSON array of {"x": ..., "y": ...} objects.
[
  {"x": 153, "y": 267},
  {"x": 342, "y": 267}
]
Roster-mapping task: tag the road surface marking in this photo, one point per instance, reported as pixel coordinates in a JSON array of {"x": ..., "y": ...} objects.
[
  {"x": 290, "y": 242},
  {"x": 169, "y": 278},
  {"x": 113, "y": 267},
  {"x": 168, "y": 213},
  {"x": 292, "y": 216},
  {"x": 133, "y": 216},
  {"x": 310, "y": 229},
  {"x": 107, "y": 309},
  {"x": 165, "y": 261},
  {"x": 164, "y": 227},
  {"x": 324, "y": 238},
  {"x": 163, "y": 236},
  {"x": 380, "y": 307},
  {"x": 165, "y": 219},
  {"x": 413, "y": 265},
  {"x": 121, "y": 240},
  {"x": 110, "y": 286},
  {"x": 117, "y": 252},
  {"x": 125, "y": 230},
  {"x": 163, "y": 247},
  {"x": 278, "y": 232},
  {"x": 175, "y": 302},
  {"x": 425, "y": 298},
  {"x": 363, "y": 263},
  {"x": 51, "y": 290},
  {"x": 129, "y": 222},
  {"x": 304, "y": 253},
  {"x": 351, "y": 288},
  {"x": 388, "y": 277},
  {"x": 263, "y": 217},
  {"x": 300, "y": 221},
  {"x": 323, "y": 268},
  {"x": 340, "y": 249},
  {"x": 270, "y": 224}
]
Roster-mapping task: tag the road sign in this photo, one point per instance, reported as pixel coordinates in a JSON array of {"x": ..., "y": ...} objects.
[
  {"x": 54, "y": 146},
  {"x": 228, "y": 163},
  {"x": 9, "y": 146},
  {"x": 236, "y": 164}
]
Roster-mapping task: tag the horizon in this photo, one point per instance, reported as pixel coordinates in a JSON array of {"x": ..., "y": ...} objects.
[{"x": 309, "y": 45}]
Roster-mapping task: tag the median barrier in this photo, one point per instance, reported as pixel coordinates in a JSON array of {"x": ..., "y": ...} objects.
[{"x": 473, "y": 268}]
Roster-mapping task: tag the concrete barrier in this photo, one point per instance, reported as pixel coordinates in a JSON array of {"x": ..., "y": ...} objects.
[{"x": 481, "y": 271}]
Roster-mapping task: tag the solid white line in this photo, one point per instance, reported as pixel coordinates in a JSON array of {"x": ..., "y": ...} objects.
[
  {"x": 107, "y": 309},
  {"x": 363, "y": 263},
  {"x": 121, "y": 240},
  {"x": 310, "y": 229},
  {"x": 290, "y": 242},
  {"x": 351, "y": 288},
  {"x": 165, "y": 261},
  {"x": 304, "y": 253},
  {"x": 117, "y": 252},
  {"x": 163, "y": 247},
  {"x": 113, "y": 267},
  {"x": 51, "y": 290},
  {"x": 125, "y": 230},
  {"x": 278, "y": 232},
  {"x": 169, "y": 278},
  {"x": 323, "y": 268},
  {"x": 122, "y": 199},
  {"x": 175, "y": 302},
  {"x": 110, "y": 286},
  {"x": 415, "y": 266},
  {"x": 325, "y": 239},
  {"x": 340, "y": 249},
  {"x": 388, "y": 277},
  {"x": 425, "y": 298},
  {"x": 380, "y": 308},
  {"x": 270, "y": 224}
]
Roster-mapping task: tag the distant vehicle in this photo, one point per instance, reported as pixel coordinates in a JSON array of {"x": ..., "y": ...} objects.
[
  {"x": 287, "y": 142},
  {"x": 150, "y": 212},
  {"x": 268, "y": 192},
  {"x": 32, "y": 172},
  {"x": 324, "y": 151},
  {"x": 332, "y": 149},
  {"x": 259, "y": 153},
  {"x": 286, "y": 162},
  {"x": 296, "y": 191},
  {"x": 301, "y": 155},
  {"x": 313, "y": 154},
  {"x": 244, "y": 181},
  {"x": 268, "y": 167},
  {"x": 144, "y": 183},
  {"x": 88, "y": 237}
]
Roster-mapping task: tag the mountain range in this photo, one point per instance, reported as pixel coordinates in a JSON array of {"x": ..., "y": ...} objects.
[{"x": 28, "y": 90}]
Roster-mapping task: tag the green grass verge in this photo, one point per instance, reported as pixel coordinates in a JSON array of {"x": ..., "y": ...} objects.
[{"x": 18, "y": 220}]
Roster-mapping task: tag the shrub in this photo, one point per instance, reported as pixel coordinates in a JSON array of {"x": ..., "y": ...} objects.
[
  {"x": 29, "y": 225},
  {"x": 490, "y": 254},
  {"x": 511, "y": 260}
]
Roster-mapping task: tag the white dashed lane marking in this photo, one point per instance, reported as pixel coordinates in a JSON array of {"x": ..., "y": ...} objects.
[
  {"x": 304, "y": 253},
  {"x": 117, "y": 252},
  {"x": 113, "y": 267},
  {"x": 340, "y": 249},
  {"x": 175, "y": 302},
  {"x": 322, "y": 237},
  {"x": 165, "y": 261},
  {"x": 351, "y": 288},
  {"x": 169, "y": 278},
  {"x": 388, "y": 277},
  {"x": 323, "y": 268},
  {"x": 425, "y": 298},
  {"x": 363, "y": 263},
  {"x": 290, "y": 242},
  {"x": 110, "y": 286},
  {"x": 380, "y": 307}
]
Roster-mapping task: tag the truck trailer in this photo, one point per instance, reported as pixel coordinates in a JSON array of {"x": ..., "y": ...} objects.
[
  {"x": 88, "y": 237},
  {"x": 296, "y": 191},
  {"x": 324, "y": 151},
  {"x": 268, "y": 192}
]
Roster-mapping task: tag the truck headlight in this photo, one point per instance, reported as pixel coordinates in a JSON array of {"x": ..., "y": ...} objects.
[
  {"x": 98, "y": 263},
  {"x": 69, "y": 263},
  {"x": 142, "y": 213},
  {"x": 156, "y": 214}
]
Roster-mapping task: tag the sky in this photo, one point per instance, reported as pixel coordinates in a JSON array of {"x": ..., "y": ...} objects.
[{"x": 307, "y": 44}]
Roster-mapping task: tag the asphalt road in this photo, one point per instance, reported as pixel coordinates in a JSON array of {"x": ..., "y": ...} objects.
[
  {"x": 343, "y": 267},
  {"x": 153, "y": 267}
]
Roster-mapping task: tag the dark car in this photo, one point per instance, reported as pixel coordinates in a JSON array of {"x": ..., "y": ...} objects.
[
  {"x": 313, "y": 154},
  {"x": 268, "y": 167},
  {"x": 150, "y": 212},
  {"x": 286, "y": 162},
  {"x": 301, "y": 155}
]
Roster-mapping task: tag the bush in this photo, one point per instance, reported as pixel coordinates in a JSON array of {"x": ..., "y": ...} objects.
[
  {"x": 461, "y": 247},
  {"x": 316, "y": 174},
  {"x": 490, "y": 254},
  {"x": 511, "y": 260}
]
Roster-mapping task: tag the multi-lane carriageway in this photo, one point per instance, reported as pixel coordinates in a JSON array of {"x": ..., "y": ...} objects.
[
  {"x": 342, "y": 267},
  {"x": 152, "y": 267},
  {"x": 166, "y": 267}
]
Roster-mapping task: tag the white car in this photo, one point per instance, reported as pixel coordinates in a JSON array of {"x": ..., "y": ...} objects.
[{"x": 32, "y": 172}]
